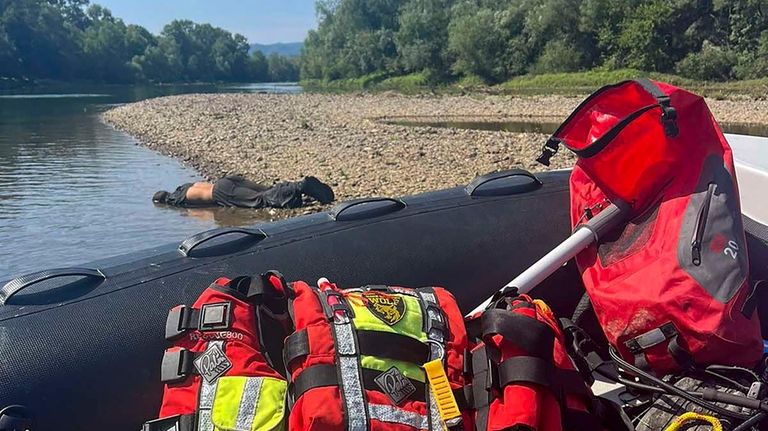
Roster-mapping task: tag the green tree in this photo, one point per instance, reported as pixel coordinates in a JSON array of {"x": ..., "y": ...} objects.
[{"x": 422, "y": 38}]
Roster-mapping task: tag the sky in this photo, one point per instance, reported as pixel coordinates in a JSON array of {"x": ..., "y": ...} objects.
[{"x": 261, "y": 21}]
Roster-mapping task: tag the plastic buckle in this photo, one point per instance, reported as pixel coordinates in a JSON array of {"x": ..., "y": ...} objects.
[
  {"x": 505, "y": 292},
  {"x": 215, "y": 316},
  {"x": 176, "y": 365},
  {"x": 669, "y": 120},
  {"x": 549, "y": 149},
  {"x": 170, "y": 423},
  {"x": 178, "y": 322}
]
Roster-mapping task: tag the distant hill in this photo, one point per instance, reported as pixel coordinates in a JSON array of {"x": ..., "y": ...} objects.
[{"x": 289, "y": 49}]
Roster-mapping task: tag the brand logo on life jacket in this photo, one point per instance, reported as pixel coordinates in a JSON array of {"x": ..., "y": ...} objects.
[
  {"x": 393, "y": 383},
  {"x": 390, "y": 309},
  {"x": 212, "y": 364}
]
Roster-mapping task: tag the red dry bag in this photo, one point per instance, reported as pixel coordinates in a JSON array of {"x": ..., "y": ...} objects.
[{"x": 670, "y": 286}]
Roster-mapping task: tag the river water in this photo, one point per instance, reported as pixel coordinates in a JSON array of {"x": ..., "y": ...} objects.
[{"x": 73, "y": 189}]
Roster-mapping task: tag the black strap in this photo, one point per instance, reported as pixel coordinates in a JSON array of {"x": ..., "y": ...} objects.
[
  {"x": 583, "y": 351},
  {"x": 600, "y": 143},
  {"x": 171, "y": 423},
  {"x": 318, "y": 376},
  {"x": 753, "y": 299},
  {"x": 370, "y": 343},
  {"x": 638, "y": 345},
  {"x": 296, "y": 345},
  {"x": 178, "y": 364},
  {"x": 392, "y": 346},
  {"x": 181, "y": 319},
  {"x": 668, "y": 120},
  {"x": 535, "y": 337},
  {"x": 668, "y": 113},
  {"x": 584, "y": 306},
  {"x": 479, "y": 393},
  {"x": 215, "y": 316},
  {"x": 680, "y": 354},
  {"x": 653, "y": 90},
  {"x": 526, "y": 369}
]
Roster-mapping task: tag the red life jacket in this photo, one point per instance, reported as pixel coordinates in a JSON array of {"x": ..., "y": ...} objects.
[
  {"x": 669, "y": 288},
  {"x": 522, "y": 376},
  {"x": 354, "y": 360},
  {"x": 218, "y": 338}
]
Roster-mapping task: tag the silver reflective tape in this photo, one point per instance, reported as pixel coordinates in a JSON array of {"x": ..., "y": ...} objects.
[
  {"x": 206, "y": 395},
  {"x": 434, "y": 413},
  {"x": 345, "y": 339},
  {"x": 394, "y": 415},
  {"x": 246, "y": 412},
  {"x": 354, "y": 403},
  {"x": 428, "y": 297},
  {"x": 435, "y": 315},
  {"x": 204, "y": 422}
]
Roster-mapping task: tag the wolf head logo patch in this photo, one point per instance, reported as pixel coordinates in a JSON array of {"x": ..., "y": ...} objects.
[{"x": 390, "y": 309}]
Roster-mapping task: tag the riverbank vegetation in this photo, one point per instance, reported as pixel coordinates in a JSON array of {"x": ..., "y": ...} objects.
[
  {"x": 72, "y": 40},
  {"x": 518, "y": 44},
  {"x": 566, "y": 83}
]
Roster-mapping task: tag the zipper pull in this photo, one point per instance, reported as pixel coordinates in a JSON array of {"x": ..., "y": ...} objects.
[
  {"x": 701, "y": 225},
  {"x": 696, "y": 253}
]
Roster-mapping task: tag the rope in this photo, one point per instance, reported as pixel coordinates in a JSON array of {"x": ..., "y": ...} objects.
[{"x": 694, "y": 417}]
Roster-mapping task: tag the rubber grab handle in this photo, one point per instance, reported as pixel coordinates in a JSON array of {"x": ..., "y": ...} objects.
[
  {"x": 189, "y": 244},
  {"x": 474, "y": 188},
  {"x": 366, "y": 208},
  {"x": 20, "y": 283}
]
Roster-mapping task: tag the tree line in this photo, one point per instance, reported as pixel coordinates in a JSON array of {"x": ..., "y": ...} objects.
[
  {"x": 496, "y": 40},
  {"x": 74, "y": 40}
]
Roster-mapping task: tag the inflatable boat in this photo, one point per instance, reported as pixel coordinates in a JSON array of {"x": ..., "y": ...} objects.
[{"x": 80, "y": 347}]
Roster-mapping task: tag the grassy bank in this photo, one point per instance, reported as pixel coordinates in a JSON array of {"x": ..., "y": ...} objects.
[{"x": 553, "y": 83}]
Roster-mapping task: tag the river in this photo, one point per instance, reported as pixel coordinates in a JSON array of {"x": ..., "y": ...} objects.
[{"x": 73, "y": 189}]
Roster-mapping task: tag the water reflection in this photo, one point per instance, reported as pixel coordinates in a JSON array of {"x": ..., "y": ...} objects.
[
  {"x": 219, "y": 216},
  {"x": 73, "y": 189}
]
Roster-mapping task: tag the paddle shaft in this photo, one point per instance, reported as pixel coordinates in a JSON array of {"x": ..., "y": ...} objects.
[{"x": 584, "y": 235}]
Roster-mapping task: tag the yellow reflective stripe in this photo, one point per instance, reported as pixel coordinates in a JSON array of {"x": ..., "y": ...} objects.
[
  {"x": 412, "y": 371},
  {"x": 410, "y": 324},
  {"x": 272, "y": 395},
  {"x": 249, "y": 404}
]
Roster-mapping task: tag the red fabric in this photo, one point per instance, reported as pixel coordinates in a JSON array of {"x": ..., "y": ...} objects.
[
  {"x": 645, "y": 286},
  {"x": 322, "y": 409},
  {"x": 241, "y": 345},
  {"x": 528, "y": 405}
]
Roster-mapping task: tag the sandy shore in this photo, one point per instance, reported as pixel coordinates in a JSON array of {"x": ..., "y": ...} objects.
[{"x": 343, "y": 139}]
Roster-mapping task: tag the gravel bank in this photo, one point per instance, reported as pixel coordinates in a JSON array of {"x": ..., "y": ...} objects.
[{"x": 342, "y": 140}]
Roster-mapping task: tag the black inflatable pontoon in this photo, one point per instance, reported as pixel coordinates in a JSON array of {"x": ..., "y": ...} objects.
[{"x": 80, "y": 348}]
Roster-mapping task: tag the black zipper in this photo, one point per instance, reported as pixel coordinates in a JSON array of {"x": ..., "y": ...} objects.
[{"x": 701, "y": 224}]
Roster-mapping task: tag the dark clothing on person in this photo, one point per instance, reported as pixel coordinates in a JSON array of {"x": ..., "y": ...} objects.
[
  {"x": 179, "y": 196},
  {"x": 236, "y": 191}
]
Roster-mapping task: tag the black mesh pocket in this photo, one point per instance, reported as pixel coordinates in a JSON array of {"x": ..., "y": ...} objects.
[{"x": 625, "y": 241}]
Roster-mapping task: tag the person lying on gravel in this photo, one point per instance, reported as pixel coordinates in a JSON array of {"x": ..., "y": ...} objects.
[{"x": 236, "y": 191}]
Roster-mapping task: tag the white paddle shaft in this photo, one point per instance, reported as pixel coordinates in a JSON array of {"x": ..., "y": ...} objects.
[{"x": 584, "y": 235}]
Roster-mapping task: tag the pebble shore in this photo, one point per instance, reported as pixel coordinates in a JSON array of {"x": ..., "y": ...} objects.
[{"x": 345, "y": 141}]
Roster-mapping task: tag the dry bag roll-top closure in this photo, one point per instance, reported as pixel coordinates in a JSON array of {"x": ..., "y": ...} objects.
[{"x": 670, "y": 286}]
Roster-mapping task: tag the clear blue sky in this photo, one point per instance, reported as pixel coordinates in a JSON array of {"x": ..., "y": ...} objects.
[{"x": 261, "y": 21}]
